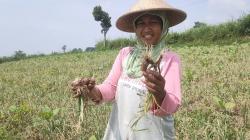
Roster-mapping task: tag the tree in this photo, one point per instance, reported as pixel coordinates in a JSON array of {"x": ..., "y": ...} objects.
[
  {"x": 105, "y": 20},
  {"x": 89, "y": 49},
  {"x": 76, "y": 50},
  {"x": 19, "y": 55},
  {"x": 199, "y": 24},
  {"x": 64, "y": 48}
]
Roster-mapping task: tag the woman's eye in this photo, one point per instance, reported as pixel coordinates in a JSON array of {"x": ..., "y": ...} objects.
[
  {"x": 139, "y": 24},
  {"x": 155, "y": 22}
]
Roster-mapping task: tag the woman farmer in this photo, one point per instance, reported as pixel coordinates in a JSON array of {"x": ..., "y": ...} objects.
[{"x": 127, "y": 84}]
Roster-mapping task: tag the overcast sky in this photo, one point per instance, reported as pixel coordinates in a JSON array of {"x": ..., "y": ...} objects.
[{"x": 43, "y": 26}]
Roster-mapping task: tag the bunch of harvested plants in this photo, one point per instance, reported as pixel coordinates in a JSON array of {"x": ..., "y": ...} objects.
[
  {"x": 82, "y": 88},
  {"x": 148, "y": 64}
]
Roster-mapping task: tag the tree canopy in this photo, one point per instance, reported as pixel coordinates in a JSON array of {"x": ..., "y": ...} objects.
[{"x": 199, "y": 24}]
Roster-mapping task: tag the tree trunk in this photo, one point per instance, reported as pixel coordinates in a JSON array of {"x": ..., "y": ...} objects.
[{"x": 105, "y": 39}]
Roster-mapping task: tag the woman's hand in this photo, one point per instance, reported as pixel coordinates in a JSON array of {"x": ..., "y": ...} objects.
[
  {"x": 84, "y": 83},
  {"x": 88, "y": 86},
  {"x": 155, "y": 84}
]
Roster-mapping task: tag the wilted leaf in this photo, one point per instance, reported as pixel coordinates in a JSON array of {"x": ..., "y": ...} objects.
[
  {"x": 56, "y": 111},
  {"x": 46, "y": 113},
  {"x": 13, "y": 108},
  {"x": 220, "y": 103},
  {"x": 92, "y": 137},
  {"x": 230, "y": 106}
]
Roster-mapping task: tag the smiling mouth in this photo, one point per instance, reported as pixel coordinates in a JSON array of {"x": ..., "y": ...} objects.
[{"x": 148, "y": 37}]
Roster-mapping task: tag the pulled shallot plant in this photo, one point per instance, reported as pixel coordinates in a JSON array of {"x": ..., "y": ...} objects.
[{"x": 147, "y": 64}]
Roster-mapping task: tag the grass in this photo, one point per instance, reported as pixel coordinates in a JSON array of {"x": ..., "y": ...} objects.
[
  {"x": 215, "y": 77},
  {"x": 36, "y": 104}
]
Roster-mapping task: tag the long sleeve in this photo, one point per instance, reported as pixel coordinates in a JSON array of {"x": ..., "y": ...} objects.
[
  {"x": 108, "y": 87},
  {"x": 172, "y": 75}
]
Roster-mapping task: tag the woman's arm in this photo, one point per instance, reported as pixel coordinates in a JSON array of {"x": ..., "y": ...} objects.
[
  {"x": 172, "y": 76},
  {"x": 108, "y": 88}
]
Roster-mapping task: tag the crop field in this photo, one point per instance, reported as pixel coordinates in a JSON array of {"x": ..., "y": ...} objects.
[{"x": 35, "y": 100}]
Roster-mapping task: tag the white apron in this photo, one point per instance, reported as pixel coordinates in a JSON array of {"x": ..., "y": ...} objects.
[{"x": 125, "y": 108}]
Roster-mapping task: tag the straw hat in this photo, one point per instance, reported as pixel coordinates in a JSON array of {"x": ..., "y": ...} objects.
[{"x": 174, "y": 16}]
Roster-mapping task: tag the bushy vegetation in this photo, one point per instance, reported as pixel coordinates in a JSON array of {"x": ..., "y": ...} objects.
[
  {"x": 115, "y": 44},
  {"x": 201, "y": 34},
  {"x": 19, "y": 55},
  {"x": 234, "y": 31},
  {"x": 36, "y": 103}
]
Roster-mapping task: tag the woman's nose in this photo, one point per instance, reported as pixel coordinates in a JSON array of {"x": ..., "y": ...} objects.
[{"x": 147, "y": 28}]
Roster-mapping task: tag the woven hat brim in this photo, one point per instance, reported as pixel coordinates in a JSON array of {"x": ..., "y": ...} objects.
[{"x": 174, "y": 16}]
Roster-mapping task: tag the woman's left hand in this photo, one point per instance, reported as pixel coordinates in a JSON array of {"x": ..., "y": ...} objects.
[{"x": 155, "y": 84}]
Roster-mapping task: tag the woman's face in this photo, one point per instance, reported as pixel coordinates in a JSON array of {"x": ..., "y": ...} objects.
[{"x": 148, "y": 29}]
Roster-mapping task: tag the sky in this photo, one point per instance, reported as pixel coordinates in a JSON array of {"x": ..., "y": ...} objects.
[{"x": 44, "y": 26}]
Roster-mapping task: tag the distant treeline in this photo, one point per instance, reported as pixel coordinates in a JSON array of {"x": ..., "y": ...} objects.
[
  {"x": 19, "y": 55},
  {"x": 200, "y": 34}
]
